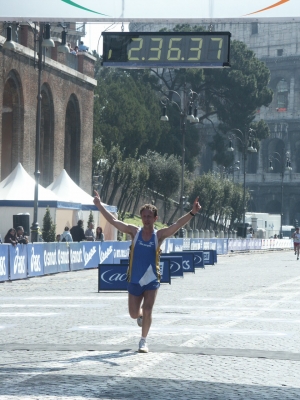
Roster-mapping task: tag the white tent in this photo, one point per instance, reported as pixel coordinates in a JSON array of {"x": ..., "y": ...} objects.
[
  {"x": 67, "y": 190},
  {"x": 17, "y": 196}
]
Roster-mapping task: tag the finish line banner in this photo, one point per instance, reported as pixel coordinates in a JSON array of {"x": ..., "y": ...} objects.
[{"x": 154, "y": 10}]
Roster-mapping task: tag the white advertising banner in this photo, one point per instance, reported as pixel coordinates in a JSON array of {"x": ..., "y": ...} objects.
[{"x": 146, "y": 10}]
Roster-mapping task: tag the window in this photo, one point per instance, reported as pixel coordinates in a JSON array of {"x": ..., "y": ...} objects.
[
  {"x": 279, "y": 52},
  {"x": 282, "y": 95},
  {"x": 254, "y": 28}
]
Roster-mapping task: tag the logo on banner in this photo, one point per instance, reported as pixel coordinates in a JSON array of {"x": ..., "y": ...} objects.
[
  {"x": 76, "y": 256},
  {"x": 197, "y": 259},
  {"x": 178, "y": 247},
  {"x": 19, "y": 263},
  {"x": 103, "y": 255},
  {"x": 186, "y": 264},
  {"x": 35, "y": 261},
  {"x": 206, "y": 256},
  {"x": 62, "y": 257},
  {"x": 169, "y": 247},
  {"x": 175, "y": 265},
  {"x": 109, "y": 277},
  {"x": 195, "y": 246},
  {"x": 88, "y": 255},
  {"x": 120, "y": 253},
  {"x": 2, "y": 266},
  {"x": 49, "y": 258},
  {"x": 161, "y": 269}
]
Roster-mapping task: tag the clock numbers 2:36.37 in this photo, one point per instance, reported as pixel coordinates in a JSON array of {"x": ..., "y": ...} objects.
[{"x": 188, "y": 49}]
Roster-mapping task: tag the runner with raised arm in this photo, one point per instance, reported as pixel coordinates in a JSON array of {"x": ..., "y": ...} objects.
[{"x": 143, "y": 272}]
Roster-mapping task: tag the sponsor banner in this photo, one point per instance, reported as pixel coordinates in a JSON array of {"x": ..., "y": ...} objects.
[
  {"x": 198, "y": 259},
  {"x": 106, "y": 253},
  {"x": 120, "y": 250},
  {"x": 76, "y": 256},
  {"x": 165, "y": 270},
  {"x": 186, "y": 244},
  {"x": 50, "y": 258},
  {"x": 213, "y": 244},
  {"x": 91, "y": 258},
  {"x": 4, "y": 262},
  {"x": 112, "y": 277},
  {"x": 174, "y": 245},
  {"x": 187, "y": 260},
  {"x": 210, "y": 257},
  {"x": 35, "y": 257},
  {"x": 63, "y": 257},
  {"x": 196, "y": 244},
  {"x": 176, "y": 265},
  {"x": 113, "y": 11},
  {"x": 18, "y": 261}
]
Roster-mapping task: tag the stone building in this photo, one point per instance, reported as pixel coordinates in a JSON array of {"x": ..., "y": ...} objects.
[
  {"x": 67, "y": 88},
  {"x": 278, "y": 45}
]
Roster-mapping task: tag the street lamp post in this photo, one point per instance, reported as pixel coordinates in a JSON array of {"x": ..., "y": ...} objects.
[
  {"x": 247, "y": 142},
  {"x": 188, "y": 112},
  {"x": 285, "y": 164}
]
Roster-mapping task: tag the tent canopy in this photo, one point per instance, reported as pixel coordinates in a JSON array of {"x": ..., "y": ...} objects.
[
  {"x": 66, "y": 189},
  {"x": 18, "y": 190}
]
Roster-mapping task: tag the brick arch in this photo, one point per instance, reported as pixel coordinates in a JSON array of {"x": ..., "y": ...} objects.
[
  {"x": 12, "y": 141},
  {"x": 47, "y": 136},
  {"x": 72, "y": 139}
]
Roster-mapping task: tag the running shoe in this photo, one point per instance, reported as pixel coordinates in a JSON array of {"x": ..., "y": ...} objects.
[
  {"x": 139, "y": 321},
  {"x": 143, "y": 348}
]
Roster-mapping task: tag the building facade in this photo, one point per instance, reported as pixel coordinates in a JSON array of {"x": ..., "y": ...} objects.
[
  {"x": 278, "y": 45},
  {"x": 67, "y": 98}
]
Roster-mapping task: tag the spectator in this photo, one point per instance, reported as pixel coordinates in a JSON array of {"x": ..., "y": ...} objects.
[
  {"x": 99, "y": 234},
  {"x": 82, "y": 47},
  {"x": 74, "y": 51},
  {"x": 90, "y": 233},
  {"x": 66, "y": 235},
  {"x": 77, "y": 232},
  {"x": 21, "y": 238},
  {"x": 11, "y": 237},
  {"x": 58, "y": 238}
]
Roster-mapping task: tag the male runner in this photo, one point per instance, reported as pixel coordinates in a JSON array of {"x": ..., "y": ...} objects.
[
  {"x": 296, "y": 237},
  {"x": 143, "y": 271}
]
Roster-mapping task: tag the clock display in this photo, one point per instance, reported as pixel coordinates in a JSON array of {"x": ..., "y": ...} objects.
[{"x": 166, "y": 50}]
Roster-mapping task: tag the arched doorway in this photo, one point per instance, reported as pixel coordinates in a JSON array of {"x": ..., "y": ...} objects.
[
  {"x": 72, "y": 139},
  {"x": 273, "y": 207},
  {"x": 12, "y": 124},
  {"x": 47, "y": 137}
]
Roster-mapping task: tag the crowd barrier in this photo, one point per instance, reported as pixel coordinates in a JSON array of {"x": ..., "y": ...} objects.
[{"x": 25, "y": 261}]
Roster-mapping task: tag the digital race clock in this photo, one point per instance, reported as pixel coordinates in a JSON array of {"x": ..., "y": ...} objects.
[{"x": 166, "y": 49}]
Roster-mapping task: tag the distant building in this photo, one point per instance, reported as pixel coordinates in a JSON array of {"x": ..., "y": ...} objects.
[
  {"x": 67, "y": 106},
  {"x": 278, "y": 45}
]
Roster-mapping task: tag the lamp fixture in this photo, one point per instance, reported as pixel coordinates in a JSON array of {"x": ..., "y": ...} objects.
[
  {"x": 48, "y": 42},
  {"x": 63, "y": 47},
  {"x": 9, "y": 44},
  {"x": 164, "y": 117},
  {"x": 190, "y": 116},
  {"x": 230, "y": 148}
]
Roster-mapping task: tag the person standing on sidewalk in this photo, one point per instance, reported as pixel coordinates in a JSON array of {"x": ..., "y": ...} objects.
[
  {"x": 143, "y": 272},
  {"x": 296, "y": 237}
]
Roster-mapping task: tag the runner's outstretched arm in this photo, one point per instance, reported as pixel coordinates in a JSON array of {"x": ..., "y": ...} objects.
[
  {"x": 167, "y": 232},
  {"x": 121, "y": 226}
]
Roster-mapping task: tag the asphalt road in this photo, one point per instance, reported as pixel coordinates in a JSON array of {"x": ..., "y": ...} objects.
[{"x": 230, "y": 331}]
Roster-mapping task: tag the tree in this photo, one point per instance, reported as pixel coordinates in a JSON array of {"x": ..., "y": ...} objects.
[
  {"x": 91, "y": 218},
  {"x": 49, "y": 228}
]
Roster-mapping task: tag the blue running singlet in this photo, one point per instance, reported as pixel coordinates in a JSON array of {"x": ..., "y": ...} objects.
[{"x": 144, "y": 260}]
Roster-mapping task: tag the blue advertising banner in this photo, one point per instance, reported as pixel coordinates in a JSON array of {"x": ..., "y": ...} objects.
[
  {"x": 187, "y": 260},
  {"x": 121, "y": 250},
  {"x": 176, "y": 264},
  {"x": 50, "y": 258},
  {"x": 196, "y": 244},
  {"x": 198, "y": 259},
  {"x": 76, "y": 256},
  {"x": 4, "y": 262},
  {"x": 106, "y": 252},
  {"x": 18, "y": 262},
  {"x": 63, "y": 257},
  {"x": 112, "y": 277},
  {"x": 174, "y": 245},
  {"x": 209, "y": 257},
  {"x": 35, "y": 257},
  {"x": 91, "y": 257},
  {"x": 165, "y": 271}
]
